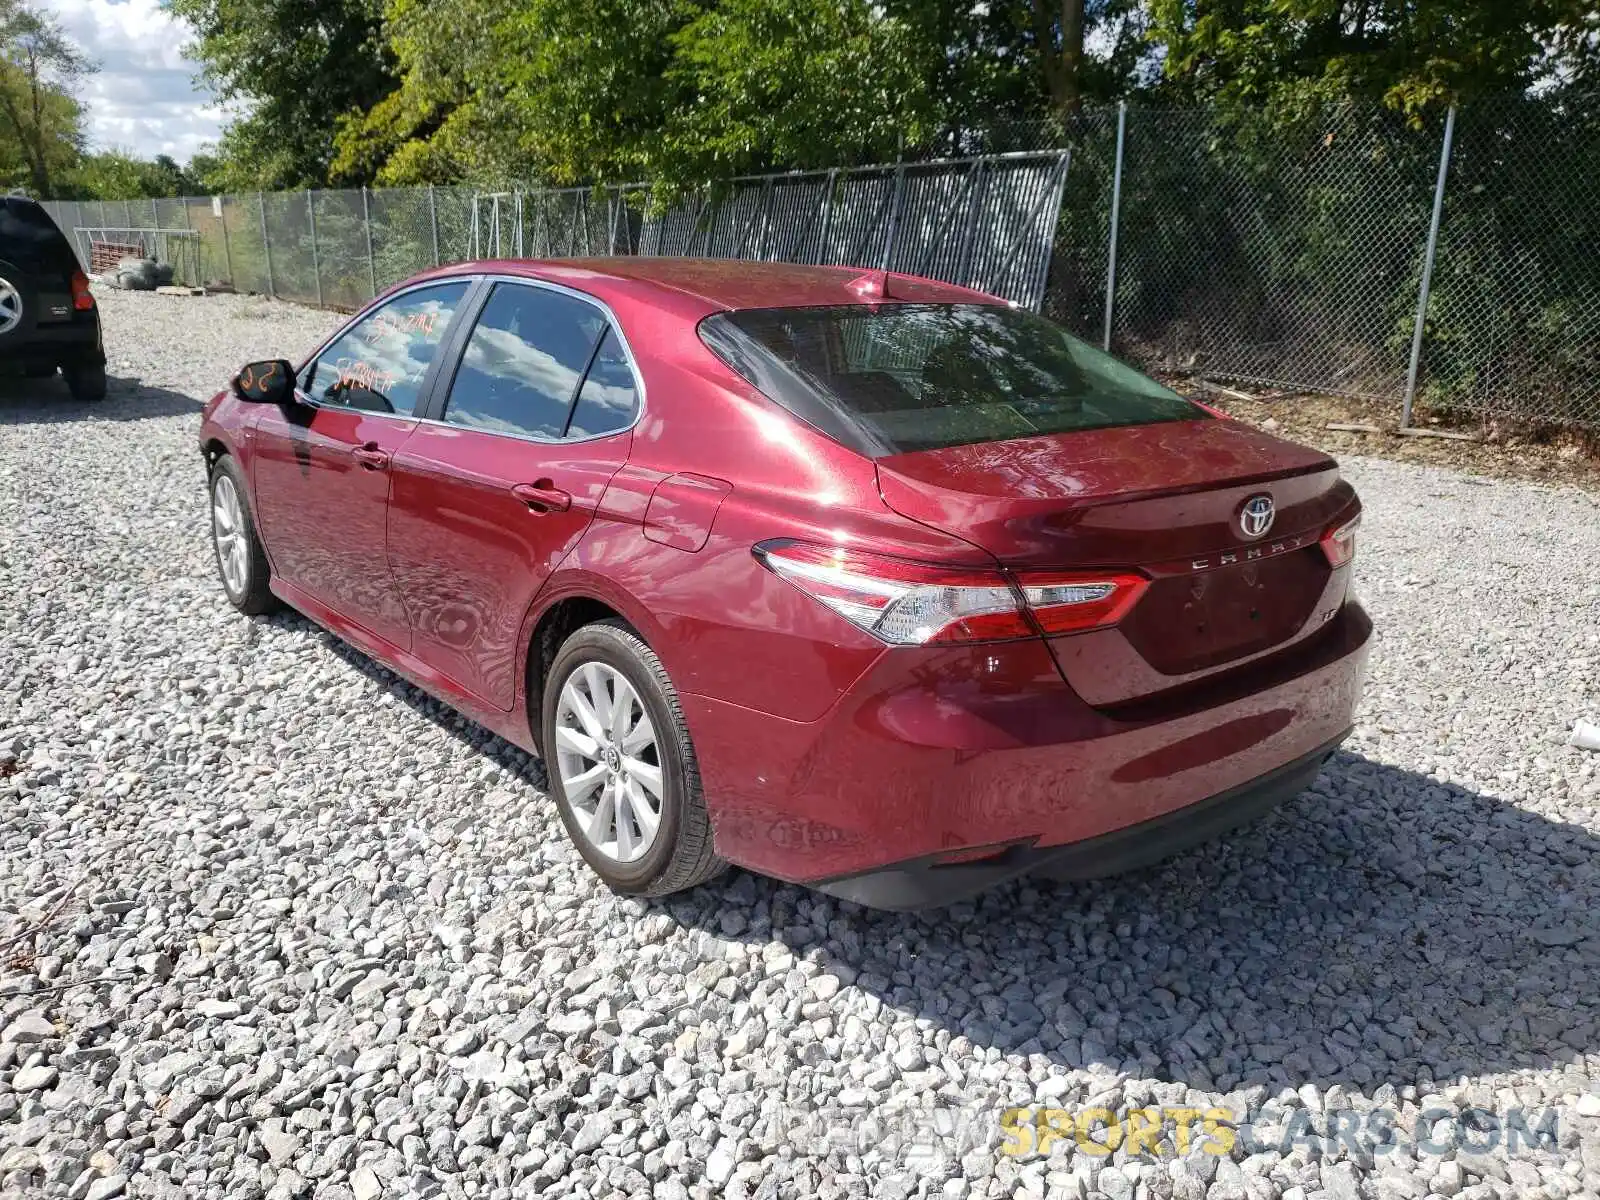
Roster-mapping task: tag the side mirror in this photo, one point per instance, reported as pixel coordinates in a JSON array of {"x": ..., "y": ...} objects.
[{"x": 267, "y": 382}]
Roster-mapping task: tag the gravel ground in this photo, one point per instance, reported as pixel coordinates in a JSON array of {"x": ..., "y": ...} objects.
[{"x": 325, "y": 939}]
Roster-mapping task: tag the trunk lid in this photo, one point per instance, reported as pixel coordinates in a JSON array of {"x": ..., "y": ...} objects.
[{"x": 1164, "y": 499}]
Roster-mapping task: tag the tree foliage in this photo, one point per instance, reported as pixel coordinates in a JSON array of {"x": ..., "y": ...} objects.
[
  {"x": 121, "y": 175},
  {"x": 411, "y": 91},
  {"x": 41, "y": 124},
  {"x": 1411, "y": 55},
  {"x": 299, "y": 66}
]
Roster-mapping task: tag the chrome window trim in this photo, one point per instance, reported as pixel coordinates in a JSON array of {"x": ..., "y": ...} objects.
[
  {"x": 536, "y": 439},
  {"x": 307, "y": 399}
]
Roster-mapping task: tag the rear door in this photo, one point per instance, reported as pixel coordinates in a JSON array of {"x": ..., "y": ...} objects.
[
  {"x": 494, "y": 490},
  {"x": 321, "y": 468}
]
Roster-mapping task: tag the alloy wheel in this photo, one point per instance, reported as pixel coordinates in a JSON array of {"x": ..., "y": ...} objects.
[
  {"x": 227, "y": 527},
  {"x": 10, "y": 306},
  {"x": 609, "y": 762}
]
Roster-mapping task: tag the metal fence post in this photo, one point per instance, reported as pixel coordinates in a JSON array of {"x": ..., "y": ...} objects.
[
  {"x": 1058, "y": 186},
  {"x": 372, "y": 263},
  {"x": 766, "y": 221},
  {"x": 974, "y": 205},
  {"x": 1427, "y": 268},
  {"x": 192, "y": 245},
  {"x": 266, "y": 244},
  {"x": 227, "y": 245},
  {"x": 827, "y": 217},
  {"x": 894, "y": 215},
  {"x": 433, "y": 222},
  {"x": 1116, "y": 217},
  {"x": 711, "y": 221},
  {"x": 316, "y": 266}
]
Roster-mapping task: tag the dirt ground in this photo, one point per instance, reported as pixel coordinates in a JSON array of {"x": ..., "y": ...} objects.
[{"x": 1532, "y": 454}]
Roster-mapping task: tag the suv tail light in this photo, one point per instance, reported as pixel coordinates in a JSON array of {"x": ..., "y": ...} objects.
[
  {"x": 82, "y": 300},
  {"x": 1339, "y": 543},
  {"x": 916, "y": 604}
]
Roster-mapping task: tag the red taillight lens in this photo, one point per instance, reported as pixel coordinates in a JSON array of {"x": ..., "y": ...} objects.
[
  {"x": 1339, "y": 543},
  {"x": 917, "y": 604},
  {"x": 1070, "y": 603},
  {"x": 82, "y": 300}
]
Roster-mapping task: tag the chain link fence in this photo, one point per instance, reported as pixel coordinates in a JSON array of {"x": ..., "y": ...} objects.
[
  {"x": 985, "y": 222},
  {"x": 1336, "y": 249},
  {"x": 1345, "y": 250}
]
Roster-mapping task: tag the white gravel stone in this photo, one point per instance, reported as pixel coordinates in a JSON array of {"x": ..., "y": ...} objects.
[{"x": 331, "y": 941}]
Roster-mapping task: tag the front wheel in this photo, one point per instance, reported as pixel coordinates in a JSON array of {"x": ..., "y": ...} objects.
[
  {"x": 241, "y": 562},
  {"x": 621, "y": 765}
]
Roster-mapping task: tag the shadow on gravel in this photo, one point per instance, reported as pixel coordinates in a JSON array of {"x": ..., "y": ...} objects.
[
  {"x": 1381, "y": 928},
  {"x": 466, "y": 731},
  {"x": 47, "y": 402}
]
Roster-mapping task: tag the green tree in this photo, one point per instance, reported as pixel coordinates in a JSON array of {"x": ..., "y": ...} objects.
[
  {"x": 763, "y": 83},
  {"x": 298, "y": 66},
  {"x": 444, "y": 121},
  {"x": 1410, "y": 54},
  {"x": 39, "y": 119},
  {"x": 679, "y": 90},
  {"x": 122, "y": 175}
]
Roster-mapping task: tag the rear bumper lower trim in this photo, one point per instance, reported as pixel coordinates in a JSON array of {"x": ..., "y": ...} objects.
[{"x": 921, "y": 883}]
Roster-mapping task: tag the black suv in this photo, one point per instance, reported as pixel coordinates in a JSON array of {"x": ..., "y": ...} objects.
[{"x": 48, "y": 319}]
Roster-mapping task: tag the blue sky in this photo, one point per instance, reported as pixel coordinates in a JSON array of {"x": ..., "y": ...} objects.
[{"x": 145, "y": 97}]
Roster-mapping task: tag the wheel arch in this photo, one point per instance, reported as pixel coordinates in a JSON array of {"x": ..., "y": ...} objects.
[{"x": 568, "y": 603}]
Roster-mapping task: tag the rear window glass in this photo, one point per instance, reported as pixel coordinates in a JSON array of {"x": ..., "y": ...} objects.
[
  {"x": 30, "y": 238},
  {"x": 900, "y": 377}
]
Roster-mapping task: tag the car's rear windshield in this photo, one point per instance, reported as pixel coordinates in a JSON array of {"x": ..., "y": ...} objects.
[
  {"x": 892, "y": 378},
  {"x": 30, "y": 238}
]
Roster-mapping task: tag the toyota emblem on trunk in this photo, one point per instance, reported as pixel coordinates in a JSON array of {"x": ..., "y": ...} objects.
[{"x": 1255, "y": 518}]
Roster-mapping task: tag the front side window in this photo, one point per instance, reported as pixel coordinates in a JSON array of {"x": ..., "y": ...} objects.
[
  {"x": 903, "y": 377},
  {"x": 379, "y": 363},
  {"x": 541, "y": 364}
]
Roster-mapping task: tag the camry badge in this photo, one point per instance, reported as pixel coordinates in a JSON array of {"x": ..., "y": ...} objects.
[{"x": 1255, "y": 517}]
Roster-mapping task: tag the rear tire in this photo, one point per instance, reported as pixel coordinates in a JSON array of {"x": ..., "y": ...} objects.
[
  {"x": 621, "y": 766},
  {"x": 86, "y": 381},
  {"x": 241, "y": 562}
]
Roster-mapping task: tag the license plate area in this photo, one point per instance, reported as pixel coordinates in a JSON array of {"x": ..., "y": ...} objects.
[{"x": 1195, "y": 619}]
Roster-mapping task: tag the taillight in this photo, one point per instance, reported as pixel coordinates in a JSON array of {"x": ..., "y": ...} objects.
[
  {"x": 82, "y": 300},
  {"x": 1339, "y": 543},
  {"x": 1070, "y": 603},
  {"x": 916, "y": 604}
]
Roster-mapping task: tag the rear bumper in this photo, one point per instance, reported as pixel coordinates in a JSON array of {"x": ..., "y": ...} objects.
[
  {"x": 71, "y": 342},
  {"x": 938, "y": 751},
  {"x": 926, "y": 883}
]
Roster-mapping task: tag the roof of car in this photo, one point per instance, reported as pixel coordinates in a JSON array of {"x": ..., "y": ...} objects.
[{"x": 714, "y": 284}]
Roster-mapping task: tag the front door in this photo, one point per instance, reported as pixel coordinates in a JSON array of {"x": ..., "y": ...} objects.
[
  {"x": 320, "y": 469},
  {"x": 488, "y": 499}
]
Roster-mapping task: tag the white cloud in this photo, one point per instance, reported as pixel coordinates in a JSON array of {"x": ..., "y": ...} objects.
[{"x": 145, "y": 97}]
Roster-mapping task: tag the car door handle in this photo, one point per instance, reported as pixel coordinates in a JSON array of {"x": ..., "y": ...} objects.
[
  {"x": 370, "y": 457},
  {"x": 543, "y": 496}
]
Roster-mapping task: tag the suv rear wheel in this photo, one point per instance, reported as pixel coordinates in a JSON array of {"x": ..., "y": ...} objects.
[{"x": 86, "y": 381}]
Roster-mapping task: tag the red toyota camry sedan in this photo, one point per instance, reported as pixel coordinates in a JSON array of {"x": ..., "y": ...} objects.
[{"x": 855, "y": 579}]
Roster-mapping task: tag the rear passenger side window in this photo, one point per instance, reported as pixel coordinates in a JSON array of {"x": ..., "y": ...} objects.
[
  {"x": 524, "y": 362},
  {"x": 608, "y": 398}
]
